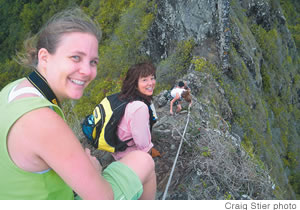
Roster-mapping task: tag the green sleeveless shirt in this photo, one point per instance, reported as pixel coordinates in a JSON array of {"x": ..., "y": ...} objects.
[{"x": 15, "y": 183}]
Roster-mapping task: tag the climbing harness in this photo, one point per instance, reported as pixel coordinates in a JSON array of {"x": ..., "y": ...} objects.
[{"x": 174, "y": 164}]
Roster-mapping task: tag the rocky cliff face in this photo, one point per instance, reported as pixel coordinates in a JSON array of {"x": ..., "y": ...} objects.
[
  {"x": 249, "y": 105},
  {"x": 180, "y": 20}
]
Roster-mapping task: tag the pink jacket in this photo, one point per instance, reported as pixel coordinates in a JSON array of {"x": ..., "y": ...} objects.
[{"x": 135, "y": 124}]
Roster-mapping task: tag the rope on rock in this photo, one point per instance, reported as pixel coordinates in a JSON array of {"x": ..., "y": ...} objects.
[{"x": 174, "y": 164}]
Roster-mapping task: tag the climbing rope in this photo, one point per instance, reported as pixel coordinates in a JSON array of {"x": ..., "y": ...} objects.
[{"x": 174, "y": 164}]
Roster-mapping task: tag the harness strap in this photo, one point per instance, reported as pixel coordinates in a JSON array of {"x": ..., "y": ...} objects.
[
  {"x": 39, "y": 82},
  {"x": 152, "y": 115}
]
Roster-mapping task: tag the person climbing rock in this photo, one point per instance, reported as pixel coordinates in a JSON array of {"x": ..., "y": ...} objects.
[{"x": 179, "y": 92}]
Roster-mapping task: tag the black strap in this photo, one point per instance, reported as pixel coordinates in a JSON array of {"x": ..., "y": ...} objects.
[
  {"x": 152, "y": 118},
  {"x": 40, "y": 83}
]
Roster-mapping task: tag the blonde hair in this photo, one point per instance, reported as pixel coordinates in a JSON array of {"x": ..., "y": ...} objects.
[
  {"x": 66, "y": 21},
  {"x": 187, "y": 96}
]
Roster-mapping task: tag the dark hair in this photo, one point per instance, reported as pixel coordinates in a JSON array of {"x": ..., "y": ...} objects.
[
  {"x": 66, "y": 21},
  {"x": 129, "y": 90},
  {"x": 180, "y": 84}
]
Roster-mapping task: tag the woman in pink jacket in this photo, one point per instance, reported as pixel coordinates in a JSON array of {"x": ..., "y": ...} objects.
[{"x": 140, "y": 115}]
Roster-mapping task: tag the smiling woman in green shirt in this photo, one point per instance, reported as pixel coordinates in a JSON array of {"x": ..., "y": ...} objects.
[{"x": 40, "y": 157}]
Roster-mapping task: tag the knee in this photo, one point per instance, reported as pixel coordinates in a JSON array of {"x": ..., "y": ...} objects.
[
  {"x": 140, "y": 158},
  {"x": 141, "y": 163},
  {"x": 143, "y": 158}
]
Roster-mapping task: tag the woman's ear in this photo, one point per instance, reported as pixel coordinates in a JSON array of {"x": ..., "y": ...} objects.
[{"x": 43, "y": 56}]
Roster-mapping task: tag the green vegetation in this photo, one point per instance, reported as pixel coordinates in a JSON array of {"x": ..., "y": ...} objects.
[
  {"x": 205, "y": 152},
  {"x": 291, "y": 10},
  {"x": 294, "y": 180},
  {"x": 268, "y": 41},
  {"x": 121, "y": 50},
  {"x": 25, "y": 18},
  {"x": 269, "y": 128},
  {"x": 202, "y": 65},
  {"x": 177, "y": 63}
]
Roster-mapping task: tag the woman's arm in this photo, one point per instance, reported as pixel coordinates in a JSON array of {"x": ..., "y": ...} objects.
[
  {"x": 139, "y": 127},
  {"x": 50, "y": 140}
]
